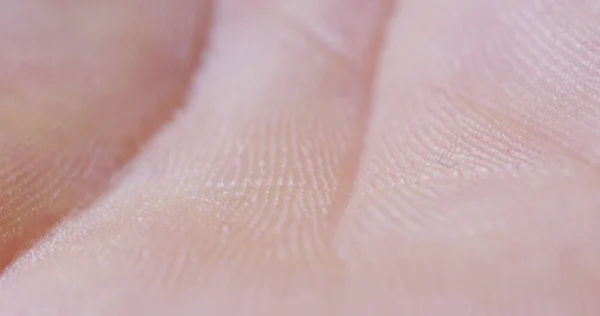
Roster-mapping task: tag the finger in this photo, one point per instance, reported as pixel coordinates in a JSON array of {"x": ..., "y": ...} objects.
[
  {"x": 478, "y": 187},
  {"x": 82, "y": 85},
  {"x": 233, "y": 199}
]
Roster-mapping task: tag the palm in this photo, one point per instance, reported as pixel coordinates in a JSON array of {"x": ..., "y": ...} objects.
[{"x": 323, "y": 157}]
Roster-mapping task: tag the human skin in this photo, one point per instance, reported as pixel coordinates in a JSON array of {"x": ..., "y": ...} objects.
[{"x": 300, "y": 157}]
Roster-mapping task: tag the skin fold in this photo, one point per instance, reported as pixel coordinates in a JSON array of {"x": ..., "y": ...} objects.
[
  {"x": 300, "y": 157},
  {"x": 83, "y": 85}
]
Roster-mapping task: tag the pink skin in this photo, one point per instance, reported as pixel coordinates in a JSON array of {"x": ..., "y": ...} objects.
[
  {"x": 329, "y": 157},
  {"x": 83, "y": 84}
]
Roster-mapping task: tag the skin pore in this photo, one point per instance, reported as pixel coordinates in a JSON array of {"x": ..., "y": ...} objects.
[{"x": 300, "y": 157}]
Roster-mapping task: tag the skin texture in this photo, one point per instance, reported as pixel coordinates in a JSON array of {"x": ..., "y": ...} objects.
[
  {"x": 301, "y": 157},
  {"x": 82, "y": 87}
]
